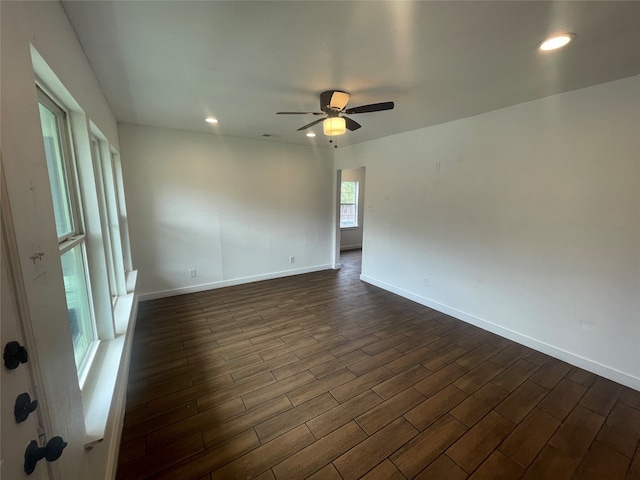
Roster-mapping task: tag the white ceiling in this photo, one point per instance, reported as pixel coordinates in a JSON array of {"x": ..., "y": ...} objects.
[{"x": 172, "y": 63}]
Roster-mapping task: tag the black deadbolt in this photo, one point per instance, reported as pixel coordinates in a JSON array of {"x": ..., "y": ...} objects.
[{"x": 14, "y": 355}]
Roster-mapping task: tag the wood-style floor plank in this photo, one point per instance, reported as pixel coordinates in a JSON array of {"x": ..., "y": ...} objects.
[{"x": 324, "y": 377}]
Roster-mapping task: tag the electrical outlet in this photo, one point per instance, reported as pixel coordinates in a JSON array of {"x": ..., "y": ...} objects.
[
  {"x": 292, "y": 259},
  {"x": 193, "y": 273},
  {"x": 436, "y": 166},
  {"x": 426, "y": 281}
]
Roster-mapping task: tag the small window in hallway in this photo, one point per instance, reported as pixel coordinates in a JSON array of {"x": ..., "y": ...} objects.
[{"x": 349, "y": 205}]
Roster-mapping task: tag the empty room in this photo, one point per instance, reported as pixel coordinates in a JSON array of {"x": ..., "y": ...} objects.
[{"x": 320, "y": 239}]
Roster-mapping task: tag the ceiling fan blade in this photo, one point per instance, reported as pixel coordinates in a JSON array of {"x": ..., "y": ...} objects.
[
  {"x": 351, "y": 125},
  {"x": 299, "y": 113},
  {"x": 374, "y": 107},
  {"x": 311, "y": 124}
]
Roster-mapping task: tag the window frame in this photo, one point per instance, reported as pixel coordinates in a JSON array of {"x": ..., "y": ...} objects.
[
  {"x": 70, "y": 170},
  {"x": 355, "y": 204},
  {"x": 104, "y": 215},
  {"x": 122, "y": 218},
  {"x": 77, "y": 238}
]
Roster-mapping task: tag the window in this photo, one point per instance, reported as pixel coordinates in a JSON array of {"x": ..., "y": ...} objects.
[
  {"x": 107, "y": 186},
  {"x": 349, "y": 205},
  {"x": 69, "y": 226},
  {"x": 102, "y": 187},
  {"x": 121, "y": 212}
]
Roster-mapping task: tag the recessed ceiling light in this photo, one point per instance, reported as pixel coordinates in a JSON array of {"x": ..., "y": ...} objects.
[
  {"x": 557, "y": 41},
  {"x": 311, "y": 134},
  {"x": 211, "y": 120}
]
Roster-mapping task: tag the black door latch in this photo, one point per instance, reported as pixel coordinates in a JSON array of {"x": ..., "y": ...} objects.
[
  {"x": 51, "y": 452},
  {"x": 23, "y": 407}
]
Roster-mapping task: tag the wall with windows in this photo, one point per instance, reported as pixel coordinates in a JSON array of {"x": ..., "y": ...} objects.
[
  {"x": 234, "y": 210},
  {"x": 39, "y": 44},
  {"x": 351, "y": 238},
  {"x": 530, "y": 228}
]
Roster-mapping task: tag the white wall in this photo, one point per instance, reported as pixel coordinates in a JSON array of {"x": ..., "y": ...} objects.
[
  {"x": 351, "y": 238},
  {"x": 530, "y": 229},
  {"x": 44, "y": 26},
  {"x": 233, "y": 209}
]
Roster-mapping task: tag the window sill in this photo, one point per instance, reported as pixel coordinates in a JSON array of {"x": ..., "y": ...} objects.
[
  {"x": 106, "y": 383},
  {"x": 349, "y": 228}
]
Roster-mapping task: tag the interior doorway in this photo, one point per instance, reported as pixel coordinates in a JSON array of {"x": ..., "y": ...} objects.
[{"x": 350, "y": 221}]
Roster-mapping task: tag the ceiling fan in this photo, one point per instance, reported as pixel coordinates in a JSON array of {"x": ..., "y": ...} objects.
[{"x": 332, "y": 104}]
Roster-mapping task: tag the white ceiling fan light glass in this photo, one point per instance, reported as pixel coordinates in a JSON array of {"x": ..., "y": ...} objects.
[
  {"x": 556, "y": 41},
  {"x": 334, "y": 126},
  {"x": 211, "y": 120}
]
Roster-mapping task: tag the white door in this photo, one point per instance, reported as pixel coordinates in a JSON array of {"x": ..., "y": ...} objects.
[{"x": 15, "y": 436}]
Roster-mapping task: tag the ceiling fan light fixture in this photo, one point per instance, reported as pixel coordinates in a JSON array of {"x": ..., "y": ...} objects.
[
  {"x": 211, "y": 120},
  {"x": 556, "y": 41},
  {"x": 334, "y": 126}
]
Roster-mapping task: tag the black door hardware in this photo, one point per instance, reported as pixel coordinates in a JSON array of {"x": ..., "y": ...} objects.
[
  {"x": 14, "y": 355},
  {"x": 51, "y": 452},
  {"x": 24, "y": 406}
]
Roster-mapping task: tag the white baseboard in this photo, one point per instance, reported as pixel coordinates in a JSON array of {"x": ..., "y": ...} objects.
[
  {"x": 231, "y": 282},
  {"x": 556, "y": 352}
]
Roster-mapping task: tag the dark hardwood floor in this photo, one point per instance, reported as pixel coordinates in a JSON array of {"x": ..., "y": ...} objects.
[{"x": 323, "y": 376}]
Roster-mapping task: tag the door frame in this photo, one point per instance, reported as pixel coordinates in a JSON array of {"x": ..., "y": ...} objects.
[
  {"x": 14, "y": 272},
  {"x": 336, "y": 221},
  {"x": 361, "y": 208}
]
